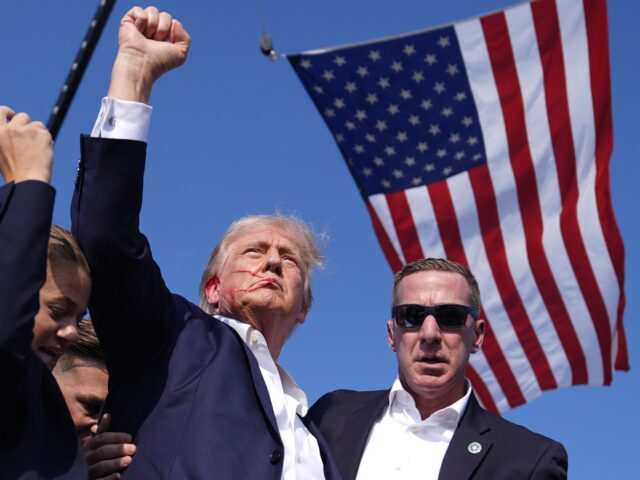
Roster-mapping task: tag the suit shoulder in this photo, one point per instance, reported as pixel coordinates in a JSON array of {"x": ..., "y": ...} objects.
[{"x": 343, "y": 402}]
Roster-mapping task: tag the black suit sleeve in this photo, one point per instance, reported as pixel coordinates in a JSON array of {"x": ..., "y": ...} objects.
[
  {"x": 552, "y": 464},
  {"x": 25, "y": 220},
  {"x": 131, "y": 307}
]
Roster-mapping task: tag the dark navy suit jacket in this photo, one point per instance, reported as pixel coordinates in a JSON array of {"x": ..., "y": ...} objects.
[
  {"x": 181, "y": 382},
  {"x": 37, "y": 437},
  {"x": 508, "y": 451}
]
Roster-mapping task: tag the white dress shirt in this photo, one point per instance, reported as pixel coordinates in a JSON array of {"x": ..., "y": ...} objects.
[
  {"x": 127, "y": 120},
  {"x": 403, "y": 446}
]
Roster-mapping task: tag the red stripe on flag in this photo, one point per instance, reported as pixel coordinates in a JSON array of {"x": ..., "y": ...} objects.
[
  {"x": 598, "y": 40},
  {"x": 405, "y": 227},
  {"x": 481, "y": 390},
  {"x": 385, "y": 243},
  {"x": 454, "y": 248},
  {"x": 547, "y": 28}
]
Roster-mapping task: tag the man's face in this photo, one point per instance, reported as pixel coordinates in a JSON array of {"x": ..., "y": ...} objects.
[
  {"x": 431, "y": 359},
  {"x": 63, "y": 302},
  {"x": 84, "y": 387},
  {"x": 261, "y": 278}
]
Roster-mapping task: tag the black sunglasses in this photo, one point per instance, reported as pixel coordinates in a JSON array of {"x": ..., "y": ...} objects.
[{"x": 447, "y": 315}]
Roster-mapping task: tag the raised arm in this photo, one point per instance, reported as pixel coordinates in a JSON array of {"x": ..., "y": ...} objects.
[
  {"x": 130, "y": 305},
  {"x": 26, "y": 206}
]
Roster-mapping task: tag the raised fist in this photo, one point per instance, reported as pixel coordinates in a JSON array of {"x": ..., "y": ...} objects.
[
  {"x": 150, "y": 44},
  {"x": 26, "y": 148}
]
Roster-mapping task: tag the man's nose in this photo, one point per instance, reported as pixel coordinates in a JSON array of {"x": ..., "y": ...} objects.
[
  {"x": 274, "y": 260},
  {"x": 430, "y": 330},
  {"x": 68, "y": 331}
]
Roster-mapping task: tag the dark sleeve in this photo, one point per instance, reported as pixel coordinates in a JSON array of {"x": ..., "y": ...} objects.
[
  {"x": 553, "y": 464},
  {"x": 25, "y": 220},
  {"x": 132, "y": 310}
]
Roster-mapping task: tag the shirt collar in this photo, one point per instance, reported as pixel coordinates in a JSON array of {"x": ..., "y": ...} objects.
[
  {"x": 398, "y": 397},
  {"x": 255, "y": 340}
]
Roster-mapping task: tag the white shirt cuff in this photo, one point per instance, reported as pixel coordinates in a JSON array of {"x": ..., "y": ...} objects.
[{"x": 123, "y": 120}]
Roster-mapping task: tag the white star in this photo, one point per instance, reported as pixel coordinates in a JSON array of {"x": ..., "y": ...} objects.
[
  {"x": 434, "y": 129},
  {"x": 305, "y": 63},
  {"x": 452, "y": 69},
  {"x": 359, "y": 148},
  {"x": 386, "y": 183},
  {"x": 447, "y": 112},
  {"x": 422, "y": 147},
  {"x": 393, "y": 109},
  {"x": 372, "y": 98},
  {"x": 370, "y": 138},
  {"x": 361, "y": 115},
  {"x": 410, "y": 161},
  {"x": 472, "y": 140},
  {"x": 362, "y": 71},
  {"x": 414, "y": 120},
  {"x": 339, "y": 137},
  {"x": 405, "y": 94},
  {"x": 441, "y": 153},
  {"x": 402, "y": 137},
  {"x": 318, "y": 89},
  {"x": 416, "y": 180},
  {"x": 340, "y": 61},
  {"x": 429, "y": 167},
  {"x": 459, "y": 155},
  {"x": 447, "y": 171},
  {"x": 444, "y": 42},
  {"x": 477, "y": 157},
  {"x": 350, "y": 87},
  {"x": 398, "y": 173},
  {"x": 431, "y": 59},
  {"x": 381, "y": 125},
  {"x": 350, "y": 125},
  {"x": 397, "y": 67},
  {"x": 439, "y": 87},
  {"x": 426, "y": 104},
  {"x": 374, "y": 55},
  {"x": 467, "y": 121},
  {"x": 454, "y": 137},
  {"x": 328, "y": 75},
  {"x": 409, "y": 50},
  {"x": 339, "y": 103},
  {"x": 329, "y": 112},
  {"x": 417, "y": 77},
  {"x": 367, "y": 172},
  {"x": 390, "y": 151},
  {"x": 379, "y": 161},
  {"x": 384, "y": 83}
]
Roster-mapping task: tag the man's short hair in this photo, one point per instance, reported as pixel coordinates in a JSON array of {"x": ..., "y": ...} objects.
[
  {"x": 63, "y": 247},
  {"x": 440, "y": 265},
  {"x": 300, "y": 233},
  {"x": 86, "y": 348}
]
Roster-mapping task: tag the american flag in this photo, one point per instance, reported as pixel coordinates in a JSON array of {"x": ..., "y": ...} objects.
[{"x": 488, "y": 142}]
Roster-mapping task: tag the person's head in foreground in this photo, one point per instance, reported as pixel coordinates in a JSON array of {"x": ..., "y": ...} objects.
[
  {"x": 63, "y": 297},
  {"x": 435, "y": 326},
  {"x": 260, "y": 273}
]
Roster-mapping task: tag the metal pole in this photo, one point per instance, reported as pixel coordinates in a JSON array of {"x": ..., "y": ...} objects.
[{"x": 79, "y": 66}]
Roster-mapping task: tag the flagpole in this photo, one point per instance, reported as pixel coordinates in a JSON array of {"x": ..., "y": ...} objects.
[{"x": 79, "y": 66}]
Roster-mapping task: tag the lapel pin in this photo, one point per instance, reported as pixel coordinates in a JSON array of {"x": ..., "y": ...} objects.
[{"x": 474, "y": 447}]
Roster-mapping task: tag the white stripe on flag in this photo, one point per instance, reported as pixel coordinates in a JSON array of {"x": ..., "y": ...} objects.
[
  {"x": 481, "y": 365},
  {"x": 379, "y": 204},
  {"x": 425, "y": 222}
]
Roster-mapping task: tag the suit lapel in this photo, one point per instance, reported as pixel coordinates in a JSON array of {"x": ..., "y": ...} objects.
[
  {"x": 356, "y": 431},
  {"x": 331, "y": 471},
  {"x": 470, "y": 444}
]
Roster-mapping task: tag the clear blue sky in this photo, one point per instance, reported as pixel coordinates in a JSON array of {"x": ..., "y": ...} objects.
[{"x": 234, "y": 134}]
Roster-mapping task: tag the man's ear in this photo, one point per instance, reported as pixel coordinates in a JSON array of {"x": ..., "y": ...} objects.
[
  {"x": 390, "y": 331},
  {"x": 212, "y": 289},
  {"x": 479, "y": 331}
]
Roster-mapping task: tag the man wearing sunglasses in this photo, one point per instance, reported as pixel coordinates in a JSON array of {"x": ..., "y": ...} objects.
[{"x": 430, "y": 425}]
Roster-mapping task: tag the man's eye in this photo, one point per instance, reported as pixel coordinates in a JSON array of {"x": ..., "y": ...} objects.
[
  {"x": 56, "y": 313},
  {"x": 92, "y": 409}
]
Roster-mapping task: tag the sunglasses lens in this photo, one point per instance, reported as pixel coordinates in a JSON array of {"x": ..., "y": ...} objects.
[
  {"x": 409, "y": 316},
  {"x": 451, "y": 316}
]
